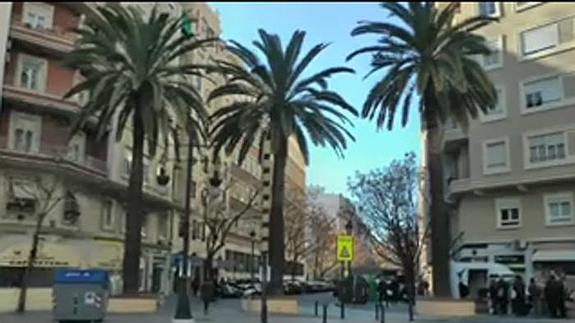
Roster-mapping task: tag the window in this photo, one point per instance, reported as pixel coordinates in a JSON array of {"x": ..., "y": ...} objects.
[
  {"x": 37, "y": 15},
  {"x": 25, "y": 132},
  {"x": 539, "y": 39},
  {"x": 489, "y": 9},
  {"x": 508, "y": 213},
  {"x": 108, "y": 215},
  {"x": 495, "y": 157},
  {"x": 547, "y": 147},
  {"x": 495, "y": 58},
  {"x": 547, "y": 37},
  {"x": 146, "y": 170},
  {"x": 144, "y": 229},
  {"x": 195, "y": 229},
  {"x": 559, "y": 208},
  {"x": 127, "y": 163},
  {"x": 71, "y": 209},
  {"x": 77, "y": 148},
  {"x": 32, "y": 73},
  {"x": 163, "y": 225},
  {"x": 541, "y": 92},
  {"x": 498, "y": 111}
]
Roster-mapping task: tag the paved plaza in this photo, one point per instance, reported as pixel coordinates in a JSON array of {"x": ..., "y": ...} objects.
[{"x": 229, "y": 311}]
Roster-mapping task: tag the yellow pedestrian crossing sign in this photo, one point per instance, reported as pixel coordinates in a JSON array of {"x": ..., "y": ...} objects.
[{"x": 344, "y": 248}]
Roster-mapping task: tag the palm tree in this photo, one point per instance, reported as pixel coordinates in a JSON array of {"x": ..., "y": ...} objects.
[
  {"x": 428, "y": 58},
  {"x": 278, "y": 102},
  {"x": 131, "y": 70}
]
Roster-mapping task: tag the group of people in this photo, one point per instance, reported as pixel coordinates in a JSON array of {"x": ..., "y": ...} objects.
[{"x": 524, "y": 300}]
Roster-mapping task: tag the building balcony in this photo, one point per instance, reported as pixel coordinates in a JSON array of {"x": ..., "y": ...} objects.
[
  {"x": 55, "y": 41},
  {"x": 458, "y": 185},
  {"x": 39, "y": 101},
  {"x": 54, "y": 156},
  {"x": 451, "y": 135}
]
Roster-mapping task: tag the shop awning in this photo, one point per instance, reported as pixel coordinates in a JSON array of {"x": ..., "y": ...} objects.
[
  {"x": 49, "y": 255},
  {"x": 554, "y": 255}
]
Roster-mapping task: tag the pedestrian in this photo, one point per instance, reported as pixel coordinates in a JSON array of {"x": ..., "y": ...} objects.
[
  {"x": 551, "y": 296},
  {"x": 502, "y": 296},
  {"x": 534, "y": 297},
  {"x": 382, "y": 291},
  {"x": 518, "y": 297},
  {"x": 493, "y": 296},
  {"x": 207, "y": 293},
  {"x": 561, "y": 297},
  {"x": 195, "y": 285}
]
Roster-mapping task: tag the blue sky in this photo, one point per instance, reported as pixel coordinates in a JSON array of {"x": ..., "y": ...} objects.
[{"x": 329, "y": 23}]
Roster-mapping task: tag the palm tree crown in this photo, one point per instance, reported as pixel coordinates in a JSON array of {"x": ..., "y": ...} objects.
[
  {"x": 130, "y": 66},
  {"x": 277, "y": 93},
  {"x": 429, "y": 56}
]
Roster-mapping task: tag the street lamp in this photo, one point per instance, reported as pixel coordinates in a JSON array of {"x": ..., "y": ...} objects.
[
  {"x": 253, "y": 240},
  {"x": 183, "y": 309}
]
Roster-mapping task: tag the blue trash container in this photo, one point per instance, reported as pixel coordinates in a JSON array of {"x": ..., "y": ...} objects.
[{"x": 80, "y": 295}]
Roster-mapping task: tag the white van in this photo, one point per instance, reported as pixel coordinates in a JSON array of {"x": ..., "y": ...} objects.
[{"x": 476, "y": 275}]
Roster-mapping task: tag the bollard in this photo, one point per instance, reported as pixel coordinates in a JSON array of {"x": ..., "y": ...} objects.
[
  {"x": 376, "y": 312},
  {"x": 342, "y": 311},
  {"x": 315, "y": 308},
  {"x": 382, "y": 314},
  {"x": 324, "y": 320}
]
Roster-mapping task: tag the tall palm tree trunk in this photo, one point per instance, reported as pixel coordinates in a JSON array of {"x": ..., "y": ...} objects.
[
  {"x": 276, "y": 242},
  {"x": 133, "y": 240},
  {"x": 440, "y": 230}
]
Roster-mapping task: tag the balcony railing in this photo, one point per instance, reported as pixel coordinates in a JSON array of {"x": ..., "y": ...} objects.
[
  {"x": 56, "y": 39},
  {"x": 59, "y": 152}
]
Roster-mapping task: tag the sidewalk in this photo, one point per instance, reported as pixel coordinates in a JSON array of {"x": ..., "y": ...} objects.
[{"x": 229, "y": 311}]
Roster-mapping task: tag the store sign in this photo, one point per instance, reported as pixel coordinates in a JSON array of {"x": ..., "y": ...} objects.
[{"x": 510, "y": 259}]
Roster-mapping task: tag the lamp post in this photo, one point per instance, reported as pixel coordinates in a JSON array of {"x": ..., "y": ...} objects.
[
  {"x": 349, "y": 231},
  {"x": 252, "y": 260},
  {"x": 183, "y": 309}
]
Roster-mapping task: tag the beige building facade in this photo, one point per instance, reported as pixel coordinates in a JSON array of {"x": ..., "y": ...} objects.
[{"x": 509, "y": 178}]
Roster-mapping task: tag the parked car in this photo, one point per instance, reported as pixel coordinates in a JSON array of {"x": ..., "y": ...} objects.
[
  {"x": 292, "y": 287},
  {"x": 228, "y": 290}
]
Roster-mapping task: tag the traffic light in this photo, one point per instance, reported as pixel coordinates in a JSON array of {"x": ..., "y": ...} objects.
[{"x": 187, "y": 26}]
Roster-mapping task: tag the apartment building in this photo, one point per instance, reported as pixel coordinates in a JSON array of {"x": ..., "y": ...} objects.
[
  {"x": 509, "y": 178},
  {"x": 88, "y": 176}
]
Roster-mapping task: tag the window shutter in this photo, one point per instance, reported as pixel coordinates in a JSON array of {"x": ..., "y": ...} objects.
[
  {"x": 539, "y": 39},
  {"x": 569, "y": 85}
]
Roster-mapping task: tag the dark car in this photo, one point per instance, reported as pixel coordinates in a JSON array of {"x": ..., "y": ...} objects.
[{"x": 292, "y": 288}]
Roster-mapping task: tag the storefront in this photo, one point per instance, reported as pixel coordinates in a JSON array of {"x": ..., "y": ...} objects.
[{"x": 14, "y": 253}]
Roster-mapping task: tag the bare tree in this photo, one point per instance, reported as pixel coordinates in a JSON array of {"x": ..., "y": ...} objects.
[
  {"x": 323, "y": 235},
  {"x": 387, "y": 199},
  {"x": 44, "y": 193},
  {"x": 297, "y": 220},
  {"x": 219, "y": 221}
]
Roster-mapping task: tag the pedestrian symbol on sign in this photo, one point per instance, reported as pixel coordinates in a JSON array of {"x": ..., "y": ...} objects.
[
  {"x": 344, "y": 253},
  {"x": 344, "y": 248}
]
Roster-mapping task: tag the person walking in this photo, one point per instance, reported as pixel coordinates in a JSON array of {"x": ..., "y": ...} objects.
[
  {"x": 551, "y": 296},
  {"x": 493, "y": 296},
  {"x": 195, "y": 285},
  {"x": 502, "y": 296},
  {"x": 518, "y": 305},
  {"x": 534, "y": 297},
  {"x": 561, "y": 297}
]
